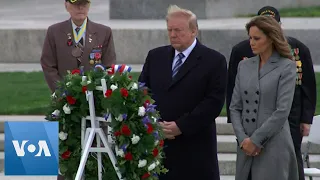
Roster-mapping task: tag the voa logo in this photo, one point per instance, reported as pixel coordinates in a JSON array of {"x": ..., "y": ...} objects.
[
  {"x": 31, "y": 148},
  {"x": 42, "y": 148}
]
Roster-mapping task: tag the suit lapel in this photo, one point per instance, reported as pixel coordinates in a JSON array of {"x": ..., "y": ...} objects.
[
  {"x": 90, "y": 42},
  {"x": 191, "y": 61},
  {"x": 254, "y": 70},
  {"x": 270, "y": 65},
  {"x": 66, "y": 33},
  {"x": 167, "y": 69}
]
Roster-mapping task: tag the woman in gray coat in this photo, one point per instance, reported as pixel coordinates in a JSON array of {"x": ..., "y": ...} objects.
[{"x": 261, "y": 103}]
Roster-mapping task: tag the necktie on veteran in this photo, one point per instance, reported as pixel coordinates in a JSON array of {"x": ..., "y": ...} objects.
[
  {"x": 178, "y": 64},
  {"x": 81, "y": 40}
]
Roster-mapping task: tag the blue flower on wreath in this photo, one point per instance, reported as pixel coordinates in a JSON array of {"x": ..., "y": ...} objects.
[
  {"x": 64, "y": 94},
  {"x": 156, "y": 135},
  {"x": 124, "y": 147},
  {"x": 141, "y": 85},
  {"x": 151, "y": 108},
  {"x": 146, "y": 120},
  {"x": 124, "y": 116}
]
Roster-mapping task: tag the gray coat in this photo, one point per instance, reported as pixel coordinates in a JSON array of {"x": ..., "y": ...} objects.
[{"x": 259, "y": 110}]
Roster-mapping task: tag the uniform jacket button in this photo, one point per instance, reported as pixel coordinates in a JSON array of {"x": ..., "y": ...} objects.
[
  {"x": 247, "y": 101},
  {"x": 257, "y": 92},
  {"x": 247, "y": 120},
  {"x": 255, "y": 111},
  {"x": 245, "y": 92},
  {"x": 247, "y": 111},
  {"x": 253, "y": 120},
  {"x": 256, "y": 101}
]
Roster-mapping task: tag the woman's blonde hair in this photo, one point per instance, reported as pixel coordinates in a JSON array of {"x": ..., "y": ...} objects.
[{"x": 272, "y": 29}]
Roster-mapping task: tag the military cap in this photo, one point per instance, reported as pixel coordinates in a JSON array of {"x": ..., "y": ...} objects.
[
  {"x": 78, "y": 1},
  {"x": 270, "y": 11}
]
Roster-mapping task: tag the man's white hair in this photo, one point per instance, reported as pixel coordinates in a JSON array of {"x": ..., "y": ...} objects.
[{"x": 175, "y": 10}]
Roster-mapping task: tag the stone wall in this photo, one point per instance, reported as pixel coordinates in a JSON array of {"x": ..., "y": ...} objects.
[
  {"x": 132, "y": 45},
  {"x": 204, "y": 9}
]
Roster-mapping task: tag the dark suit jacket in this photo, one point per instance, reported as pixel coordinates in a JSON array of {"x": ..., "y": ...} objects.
[
  {"x": 193, "y": 100},
  {"x": 304, "y": 102},
  {"x": 56, "y": 58}
]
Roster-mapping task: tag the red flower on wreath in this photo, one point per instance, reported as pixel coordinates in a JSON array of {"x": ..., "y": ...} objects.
[
  {"x": 161, "y": 143},
  {"x": 124, "y": 92},
  {"x": 146, "y": 103},
  {"x": 128, "y": 156},
  {"x": 71, "y": 100},
  {"x": 155, "y": 152},
  {"x": 66, "y": 155},
  {"x": 108, "y": 93},
  {"x": 117, "y": 133},
  {"x": 145, "y": 176},
  {"x": 150, "y": 128},
  {"x": 125, "y": 130},
  {"x": 84, "y": 89},
  {"x": 76, "y": 71}
]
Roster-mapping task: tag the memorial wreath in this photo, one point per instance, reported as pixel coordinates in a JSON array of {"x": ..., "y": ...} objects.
[{"x": 138, "y": 139}]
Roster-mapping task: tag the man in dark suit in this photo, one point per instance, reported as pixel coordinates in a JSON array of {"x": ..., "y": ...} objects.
[
  {"x": 188, "y": 83},
  {"x": 304, "y": 102},
  {"x": 74, "y": 43},
  {"x": 77, "y": 42}
]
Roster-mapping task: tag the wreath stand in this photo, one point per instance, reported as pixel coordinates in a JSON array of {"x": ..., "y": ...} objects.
[{"x": 88, "y": 134}]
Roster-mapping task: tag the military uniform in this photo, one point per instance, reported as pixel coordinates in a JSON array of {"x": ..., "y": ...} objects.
[
  {"x": 304, "y": 102},
  {"x": 67, "y": 47}
]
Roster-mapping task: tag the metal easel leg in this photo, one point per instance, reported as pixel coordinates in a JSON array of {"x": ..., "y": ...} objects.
[{"x": 85, "y": 154}]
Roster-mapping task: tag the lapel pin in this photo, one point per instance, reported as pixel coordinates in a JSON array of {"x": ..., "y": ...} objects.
[
  {"x": 90, "y": 39},
  {"x": 69, "y": 42}
]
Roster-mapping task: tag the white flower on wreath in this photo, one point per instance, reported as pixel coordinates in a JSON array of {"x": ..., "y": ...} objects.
[
  {"x": 157, "y": 162},
  {"x": 142, "y": 163},
  {"x": 63, "y": 136},
  {"x": 56, "y": 113},
  {"x": 88, "y": 82},
  {"x": 134, "y": 86},
  {"x": 66, "y": 109},
  {"x": 113, "y": 87},
  {"x": 68, "y": 84},
  {"x": 142, "y": 111},
  {"x": 154, "y": 119},
  {"x": 119, "y": 152},
  {"x": 151, "y": 167},
  {"x": 135, "y": 139},
  {"x": 54, "y": 95},
  {"x": 119, "y": 118},
  {"x": 156, "y": 143}
]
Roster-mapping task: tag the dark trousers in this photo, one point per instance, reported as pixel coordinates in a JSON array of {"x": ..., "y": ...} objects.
[
  {"x": 250, "y": 176},
  {"x": 297, "y": 139},
  {"x": 59, "y": 177}
]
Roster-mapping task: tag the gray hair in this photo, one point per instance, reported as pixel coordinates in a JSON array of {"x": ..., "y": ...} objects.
[{"x": 175, "y": 10}]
